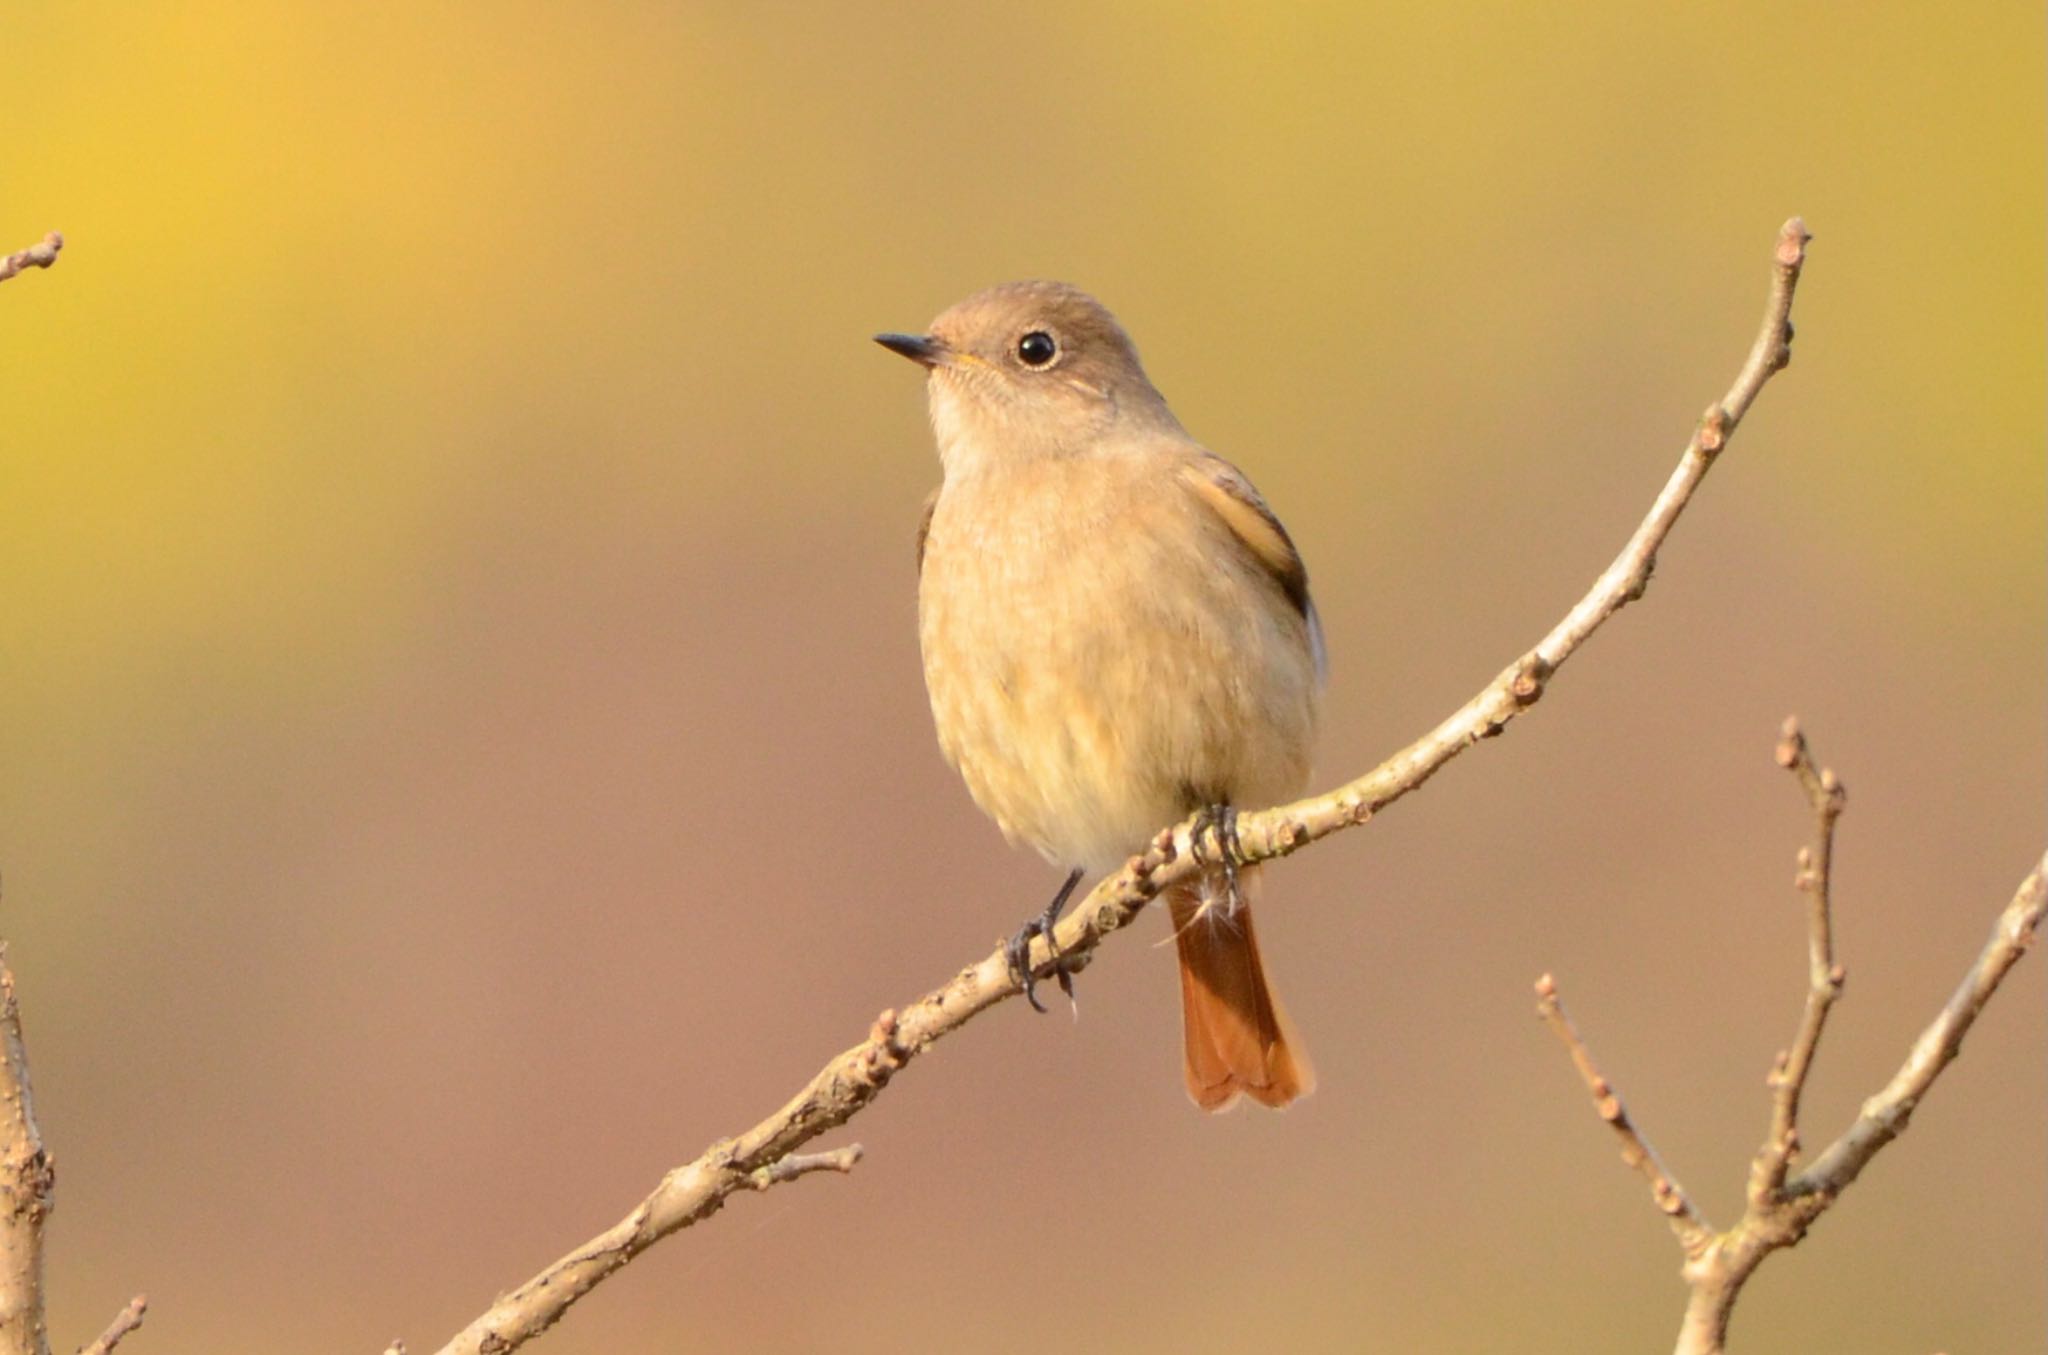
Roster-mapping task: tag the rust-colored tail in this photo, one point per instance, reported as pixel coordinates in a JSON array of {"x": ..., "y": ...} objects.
[{"x": 1238, "y": 1036}]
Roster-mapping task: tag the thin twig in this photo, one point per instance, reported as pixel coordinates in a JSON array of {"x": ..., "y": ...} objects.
[
  {"x": 839, "y": 1160},
  {"x": 1687, "y": 1223},
  {"x": 126, "y": 1321},
  {"x": 1824, "y": 978},
  {"x": 849, "y": 1082},
  {"x": 26, "y": 1182},
  {"x": 41, "y": 254},
  {"x": 1884, "y": 1116}
]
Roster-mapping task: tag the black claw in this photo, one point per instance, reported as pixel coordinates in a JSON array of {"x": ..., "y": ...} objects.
[{"x": 1018, "y": 950}]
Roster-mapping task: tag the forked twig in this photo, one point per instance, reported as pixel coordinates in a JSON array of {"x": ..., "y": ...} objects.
[{"x": 1782, "y": 1204}]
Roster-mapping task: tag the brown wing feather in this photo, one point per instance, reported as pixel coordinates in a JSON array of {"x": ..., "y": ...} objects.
[{"x": 1223, "y": 488}]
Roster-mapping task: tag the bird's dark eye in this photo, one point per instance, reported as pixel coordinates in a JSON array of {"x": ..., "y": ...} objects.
[{"x": 1036, "y": 348}]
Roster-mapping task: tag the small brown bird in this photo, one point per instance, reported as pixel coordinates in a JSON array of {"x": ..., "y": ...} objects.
[{"x": 1117, "y": 632}]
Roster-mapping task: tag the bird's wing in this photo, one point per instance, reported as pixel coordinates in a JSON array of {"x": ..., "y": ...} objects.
[{"x": 1223, "y": 489}]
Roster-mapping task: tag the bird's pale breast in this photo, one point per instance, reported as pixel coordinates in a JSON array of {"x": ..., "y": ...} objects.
[{"x": 1102, "y": 657}]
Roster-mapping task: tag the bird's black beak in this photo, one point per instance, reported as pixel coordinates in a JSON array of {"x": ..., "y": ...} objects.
[{"x": 922, "y": 349}]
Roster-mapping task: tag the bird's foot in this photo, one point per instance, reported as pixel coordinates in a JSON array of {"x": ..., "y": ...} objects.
[
  {"x": 1018, "y": 950},
  {"x": 1220, "y": 822}
]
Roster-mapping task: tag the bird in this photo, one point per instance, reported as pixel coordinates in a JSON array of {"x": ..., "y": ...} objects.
[{"x": 1116, "y": 633}]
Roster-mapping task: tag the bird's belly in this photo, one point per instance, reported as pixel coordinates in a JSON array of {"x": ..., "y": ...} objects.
[
  {"x": 1089, "y": 702},
  {"x": 1054, "y": 759}
]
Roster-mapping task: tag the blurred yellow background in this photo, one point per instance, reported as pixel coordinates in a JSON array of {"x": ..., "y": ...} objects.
[{"x": 463, "y": 748}]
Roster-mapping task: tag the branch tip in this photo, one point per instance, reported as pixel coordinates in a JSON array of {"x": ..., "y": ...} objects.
[
  {"x": 39, "y": 255},
  {"x": 127, "y": 1320},
  {"x": 1793, "y": 238},
  {"x": 1687, "y": 1224}
]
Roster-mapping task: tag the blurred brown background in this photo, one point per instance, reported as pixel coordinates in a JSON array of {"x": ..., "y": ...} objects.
[{"x": 463, "y": 747}]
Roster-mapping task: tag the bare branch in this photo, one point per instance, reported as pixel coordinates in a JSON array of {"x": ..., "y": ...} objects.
[
  {"x": 845, "y": 1085},
  {"x": 1779, "y": 1218},
  {"x": 26, "y": 1181},
  {"x": 1779, "y": 1212},
  {"x": 124, "y": 1322},
  {"x": 1823, "y": 976},
  {"x": 1691, "y": 1228},
  {"x": 1884, "y": 1115},
  {"x": 41, "y": 254}
]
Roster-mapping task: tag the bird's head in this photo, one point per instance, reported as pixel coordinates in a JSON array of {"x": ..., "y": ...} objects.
[{"x": 1030, "y": 369}]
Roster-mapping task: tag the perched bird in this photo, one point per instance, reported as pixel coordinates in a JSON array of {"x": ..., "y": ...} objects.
[{"x": 1117, "y": 632}]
